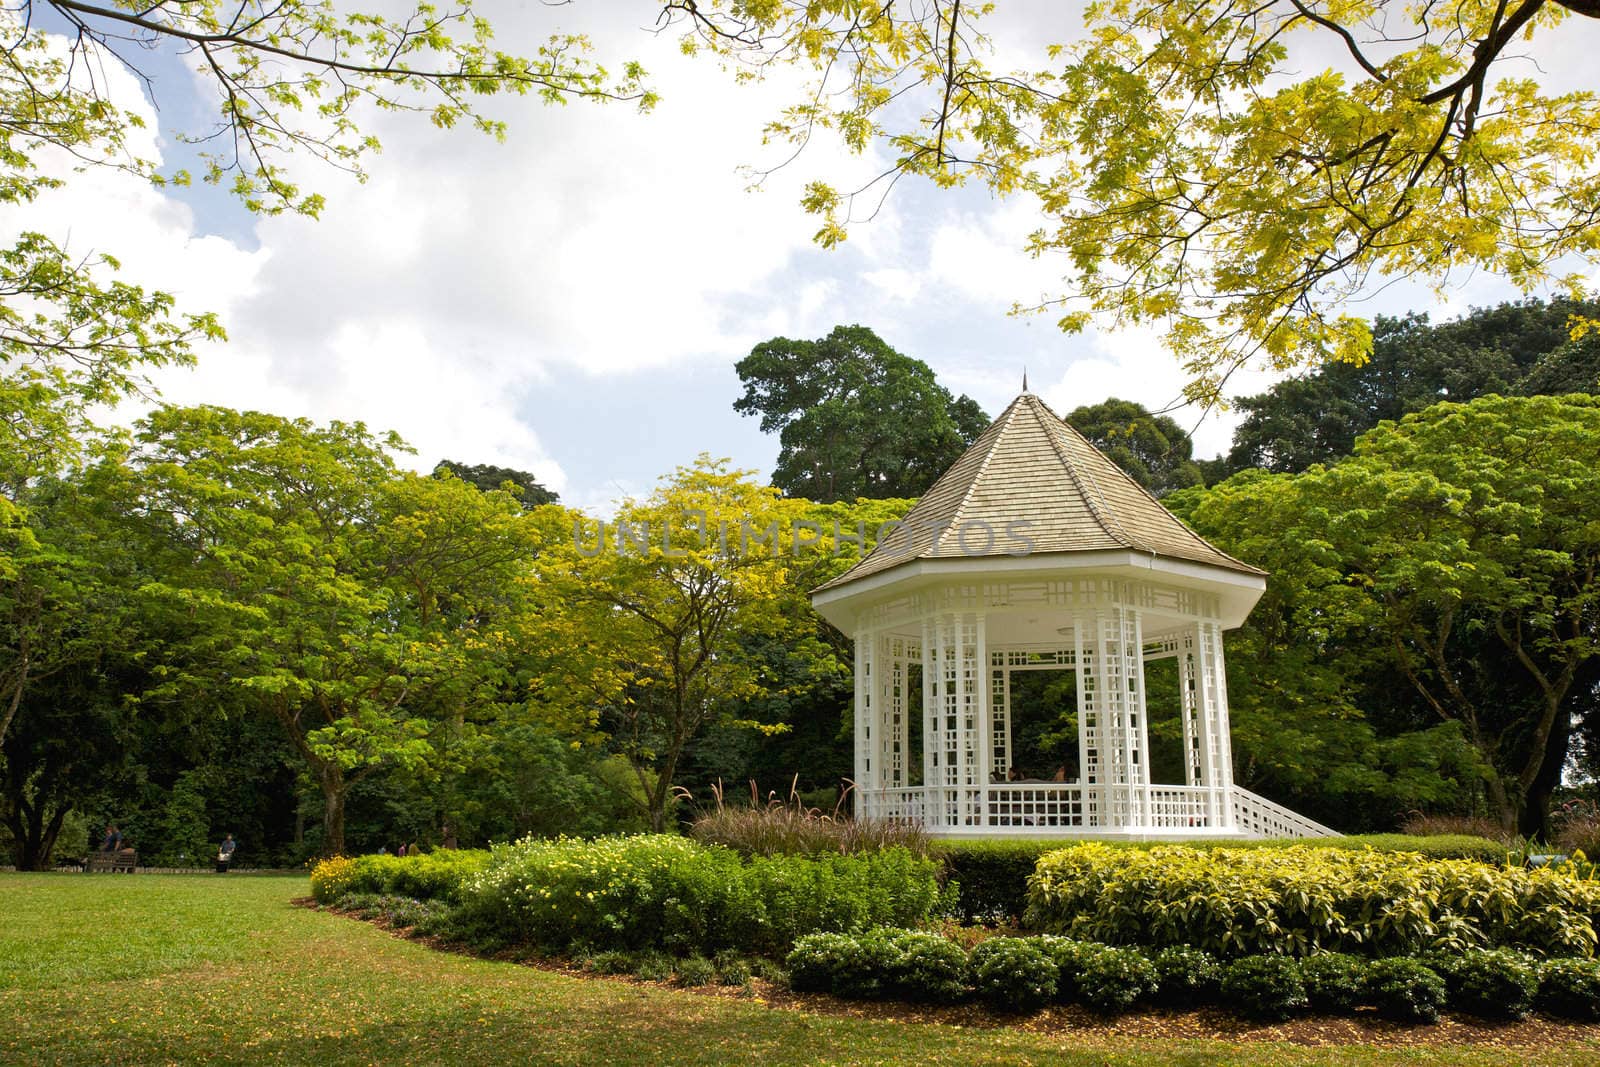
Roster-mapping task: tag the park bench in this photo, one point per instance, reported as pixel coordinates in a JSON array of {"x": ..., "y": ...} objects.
[{"x": 124, "y": 860}]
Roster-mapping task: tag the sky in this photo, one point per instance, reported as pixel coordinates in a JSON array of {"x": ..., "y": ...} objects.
[{"x": 572, "y": 301}]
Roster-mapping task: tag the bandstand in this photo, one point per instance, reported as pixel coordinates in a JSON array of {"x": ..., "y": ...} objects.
[{"x": 1035, "y": 552}]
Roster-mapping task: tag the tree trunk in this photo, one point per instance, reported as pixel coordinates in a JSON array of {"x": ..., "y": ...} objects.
[
  {"x": 1534, "y": 822},
  {"x": 333, "y": 795},
  {"x": 34, "y": 836},
  {"x": 1502, "y": 808}
]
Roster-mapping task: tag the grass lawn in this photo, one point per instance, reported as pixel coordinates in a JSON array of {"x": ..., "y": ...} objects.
[{"x": 182, "y": 968}]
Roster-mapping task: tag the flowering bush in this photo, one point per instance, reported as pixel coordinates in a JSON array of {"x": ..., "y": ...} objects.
[
  {"x": 332, "y": 878},
  {"x": 435, "y": 876}
]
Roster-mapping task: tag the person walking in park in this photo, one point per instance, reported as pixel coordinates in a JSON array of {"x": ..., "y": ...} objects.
[{"x": 225, "y": 854}]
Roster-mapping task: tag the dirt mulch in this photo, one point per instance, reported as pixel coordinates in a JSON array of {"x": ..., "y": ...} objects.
[{"x": 1364, "y": 1028}]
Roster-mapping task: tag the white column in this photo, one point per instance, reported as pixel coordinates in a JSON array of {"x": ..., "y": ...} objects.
[
  {"x": 980, "y": 754},
  {"x": 1132, "y": 649},
  {"x": 1091, "y": 733},
  {"x": 1215, "y": 762},
  {"x": 932, "y": 722},
  {"x": 865, "y": 771},
  {"x": 1188, "y": 695}
]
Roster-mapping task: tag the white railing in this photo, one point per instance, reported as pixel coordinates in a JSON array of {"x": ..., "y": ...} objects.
[
  {"x": 898, "y": 805},
  {"x": 1023, "y": 808},
  {"x": 1260, "y": 817}
]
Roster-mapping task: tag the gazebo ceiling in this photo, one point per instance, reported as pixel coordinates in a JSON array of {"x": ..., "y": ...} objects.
[{"x": 1032, "y": 491}]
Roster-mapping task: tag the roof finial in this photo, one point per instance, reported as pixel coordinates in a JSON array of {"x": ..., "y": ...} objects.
[{"x": 1024, "y": 377}]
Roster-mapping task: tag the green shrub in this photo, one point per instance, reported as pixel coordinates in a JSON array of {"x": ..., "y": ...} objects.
[
  {"x": 1404, "y": 989},
  {"x": 1115, "y": 979},
  {"x": 1570, "y": 988},
  {"x": 732, "y": 968},
  {"x": 865, "y": 970},
  {"x": 991, "y": 876},
  {"x": 816, "y": 958},
  {"x": 1014, "y": 973},
  {"x": 1070, "y": 958},
  {"x": 611, "y": 962},
  {"x": 652, "y": 965},
  {"x": 696, "y": 971},
  {"x": 1335, "y": 981},
  {"x": 332, "y": 878},
  {"x": 1493, "y": 985},
  {"x": 930, "y": 968},
  {"x": 1264, "y": 987},
  {"x": 1308, "y": 897},
  {"x": 668, "y": 892},
  {"x": 1186, "y": 975},
  {"x": 434, "y": 876}
]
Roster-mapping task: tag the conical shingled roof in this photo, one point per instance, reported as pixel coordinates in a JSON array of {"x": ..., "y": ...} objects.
[{"x": 1030, "y": 466}]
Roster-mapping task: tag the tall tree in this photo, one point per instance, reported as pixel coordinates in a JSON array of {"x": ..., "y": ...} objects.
[
  {"x": 342, "y": 599},
  {"x": 854, "y": 417},
  {"x": 524, "y": 486},
  {"x": 654, "y": 623},
  {"x": 1459, "y": 546},
  {"x": 1153, "y": 449},
  {"x": 1515, "y": 348},
  {"x": 1195, "y": 171}
]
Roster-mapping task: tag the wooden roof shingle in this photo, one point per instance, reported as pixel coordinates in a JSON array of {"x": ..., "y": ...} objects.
[{"x": 1032, "y": 476}]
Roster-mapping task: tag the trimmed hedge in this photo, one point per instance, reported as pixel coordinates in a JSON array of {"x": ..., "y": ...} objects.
[
  {"x": 667, "y": 892},
  {"x": 1019, "y": 974},
  {"x": 1307, "y": 898},
  {"x": 992, "y": 876}
]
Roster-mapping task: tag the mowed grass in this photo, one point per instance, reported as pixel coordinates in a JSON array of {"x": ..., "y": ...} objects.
[{"x": 196, "y": 968}]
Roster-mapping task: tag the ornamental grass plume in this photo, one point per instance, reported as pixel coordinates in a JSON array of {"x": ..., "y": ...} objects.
[{"x": 788, "y": 826}]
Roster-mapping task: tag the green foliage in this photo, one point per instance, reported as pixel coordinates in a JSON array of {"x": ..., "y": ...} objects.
[
  {"x": 1443, "y": 572},
  {"x": 816, "y": 958},
  {"x": 670, "y": 893},
  {"x": 696, "y": 971},
  {"x": 1335, "y": 981},
  {"x": 1203, "y": 123},
  {"x": 929, "y": 968},
  {"x": 1153, "y": 449},
  {"x": 854, "y": 417},
  {"x": 1304, "y": 898},
  {"x": 1115, "y": 979},
  {"x": 652, "y": 965},
  {"x": 520, "y": 484},
  {"x": 1522, "y": 347},
  {"x": 611, "y": 961},
  {"x": 1404, "y": 989},
  {"x": 1570, "y": 988},
  {"x": 434, "y": 876},
  {"x": 1493, "y": 984},
  {"x": 1190, "y": 975},
  {"x": 732, "y": 968},
  {"x": 1264, "y": 987},
  {"x": 992, "y": 876},
  {"x": 1014, "y": 974}
]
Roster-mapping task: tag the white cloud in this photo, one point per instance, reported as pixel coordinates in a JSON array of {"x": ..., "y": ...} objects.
[{"x": 894, "y": 283}]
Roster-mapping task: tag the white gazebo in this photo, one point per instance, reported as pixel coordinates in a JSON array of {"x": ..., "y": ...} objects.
[{"x": 1036, "y": 552}]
